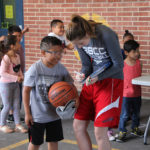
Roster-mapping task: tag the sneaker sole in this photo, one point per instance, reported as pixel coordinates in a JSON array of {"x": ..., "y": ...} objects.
[
  {"x": 112, "y": 138},
  {"x": 137, "y": 135},
  {"x": 120, "y": 141}
]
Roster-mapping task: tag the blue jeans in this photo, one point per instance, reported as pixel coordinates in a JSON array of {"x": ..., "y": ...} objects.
[{"x": 130, "y": 104}]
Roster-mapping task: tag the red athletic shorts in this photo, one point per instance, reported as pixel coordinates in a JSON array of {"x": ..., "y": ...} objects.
[{"x": 101, "y": 102}]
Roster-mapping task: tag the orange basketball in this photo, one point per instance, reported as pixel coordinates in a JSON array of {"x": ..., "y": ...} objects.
[{"x": 62, "y": 92}]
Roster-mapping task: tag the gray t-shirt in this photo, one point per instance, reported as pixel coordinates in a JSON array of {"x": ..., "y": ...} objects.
[
  {"x": 101, "y": 49},
  {"x": 40, "y": 78}
]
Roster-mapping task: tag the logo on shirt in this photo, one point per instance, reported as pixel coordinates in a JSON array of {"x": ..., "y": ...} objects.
[{"x": 97, "y": 53}]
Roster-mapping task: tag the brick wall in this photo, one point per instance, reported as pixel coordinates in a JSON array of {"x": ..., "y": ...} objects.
[{"x": 133, "y": 15}]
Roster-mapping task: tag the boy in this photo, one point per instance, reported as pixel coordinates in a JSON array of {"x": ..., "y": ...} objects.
[
  {"x": 57, "y": 27},
  {"x": 15, "y": 30},
  {"x": 131, "y": 93},
  {"x": 40, "y": 115}
]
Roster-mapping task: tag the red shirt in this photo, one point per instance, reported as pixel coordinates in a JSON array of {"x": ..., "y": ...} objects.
[{"x": 130, "y": 72}]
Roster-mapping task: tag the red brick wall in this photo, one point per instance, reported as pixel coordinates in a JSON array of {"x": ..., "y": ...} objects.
[{"x": 133, "y": 15}]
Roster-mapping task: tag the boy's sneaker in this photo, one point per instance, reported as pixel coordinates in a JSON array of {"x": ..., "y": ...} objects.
[
  {"x": 121, "y": 136},
  {"x": 10, "y": 119},
  {"x": 137, "y": 132},
  {"x": 110, "y": 135}
]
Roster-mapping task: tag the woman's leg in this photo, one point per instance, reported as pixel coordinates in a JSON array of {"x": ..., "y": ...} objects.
[
  {"x": 102, "y": 138},
  {"x": 82, "y": 136}
]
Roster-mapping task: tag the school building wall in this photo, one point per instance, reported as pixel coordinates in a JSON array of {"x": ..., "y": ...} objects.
[{"x": 133, "y": 15}]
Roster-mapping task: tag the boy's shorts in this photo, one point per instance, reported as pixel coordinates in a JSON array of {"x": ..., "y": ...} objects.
[
  {"x": 101, "y": 102},
  {"x": 54, "y": 132}
]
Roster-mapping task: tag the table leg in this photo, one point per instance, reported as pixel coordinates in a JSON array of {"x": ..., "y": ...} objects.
[{"x": 146, "y": 131}]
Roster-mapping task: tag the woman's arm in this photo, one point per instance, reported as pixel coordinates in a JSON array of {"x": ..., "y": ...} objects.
[
  {"x": 113, "y": 48},
  {"x": 86, "y": 63}
]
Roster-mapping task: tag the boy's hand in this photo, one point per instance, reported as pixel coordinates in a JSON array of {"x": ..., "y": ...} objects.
[
  {"x": 28, "y": 120},
  {"x": 90, "y": 81},
  {"x": 77, "y": 102}
]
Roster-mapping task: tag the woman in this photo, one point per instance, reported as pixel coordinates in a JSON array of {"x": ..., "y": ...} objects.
[{"x": 101, "y": 96}]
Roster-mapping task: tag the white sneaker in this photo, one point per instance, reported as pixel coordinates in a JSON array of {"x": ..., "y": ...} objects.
[{"x": 110, "y": 135}]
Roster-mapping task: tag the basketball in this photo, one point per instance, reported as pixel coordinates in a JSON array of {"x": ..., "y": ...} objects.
[{"x": 62, "y": 92}]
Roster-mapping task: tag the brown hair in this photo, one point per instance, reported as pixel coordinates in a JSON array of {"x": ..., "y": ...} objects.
[
  {"x": 79, "y": 27},
  {"x": 5, "y": 45}
]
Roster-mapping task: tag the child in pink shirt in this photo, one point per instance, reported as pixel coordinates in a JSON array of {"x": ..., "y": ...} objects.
[{"x": 11, "y": 76}]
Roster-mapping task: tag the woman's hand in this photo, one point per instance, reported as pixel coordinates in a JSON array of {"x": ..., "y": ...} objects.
[
  {"x": 90, "y": 81},
  {"x": 80, "y": 76}
]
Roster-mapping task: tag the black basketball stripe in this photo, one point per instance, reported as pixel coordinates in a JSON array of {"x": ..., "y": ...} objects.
[
  {"x": 58, "y": 99},
  {"x": 51, "y": 93},
  {"x": 63, "y": 95},
  {"x": 58, "y": 87}
]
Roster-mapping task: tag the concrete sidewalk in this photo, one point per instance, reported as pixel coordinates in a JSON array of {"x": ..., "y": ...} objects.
[{"x": 18, "y": 141}]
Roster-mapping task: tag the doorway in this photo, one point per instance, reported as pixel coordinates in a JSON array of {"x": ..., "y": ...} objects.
[{"x": 11, "y": 13}]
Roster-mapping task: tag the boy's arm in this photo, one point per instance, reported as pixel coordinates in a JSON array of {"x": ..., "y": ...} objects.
[
  {"x": 69, "y": 79},
  {"x": 70, "y": 46},
  {"x": 26, "y": 101},
  {"x": 25, "y": 30}
]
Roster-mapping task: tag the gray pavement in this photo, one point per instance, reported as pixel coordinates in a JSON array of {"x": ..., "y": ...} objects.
[{"x": 18, "y": 141}]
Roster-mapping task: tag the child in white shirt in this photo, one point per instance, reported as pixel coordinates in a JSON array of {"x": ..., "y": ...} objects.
[{"x": 57, "y": 28}]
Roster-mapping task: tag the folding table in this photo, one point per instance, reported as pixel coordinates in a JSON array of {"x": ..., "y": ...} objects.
[{"x": 143, "y": 80}]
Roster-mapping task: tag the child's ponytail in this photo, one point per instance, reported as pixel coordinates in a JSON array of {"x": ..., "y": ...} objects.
[{"x": 127, "y": 33}]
